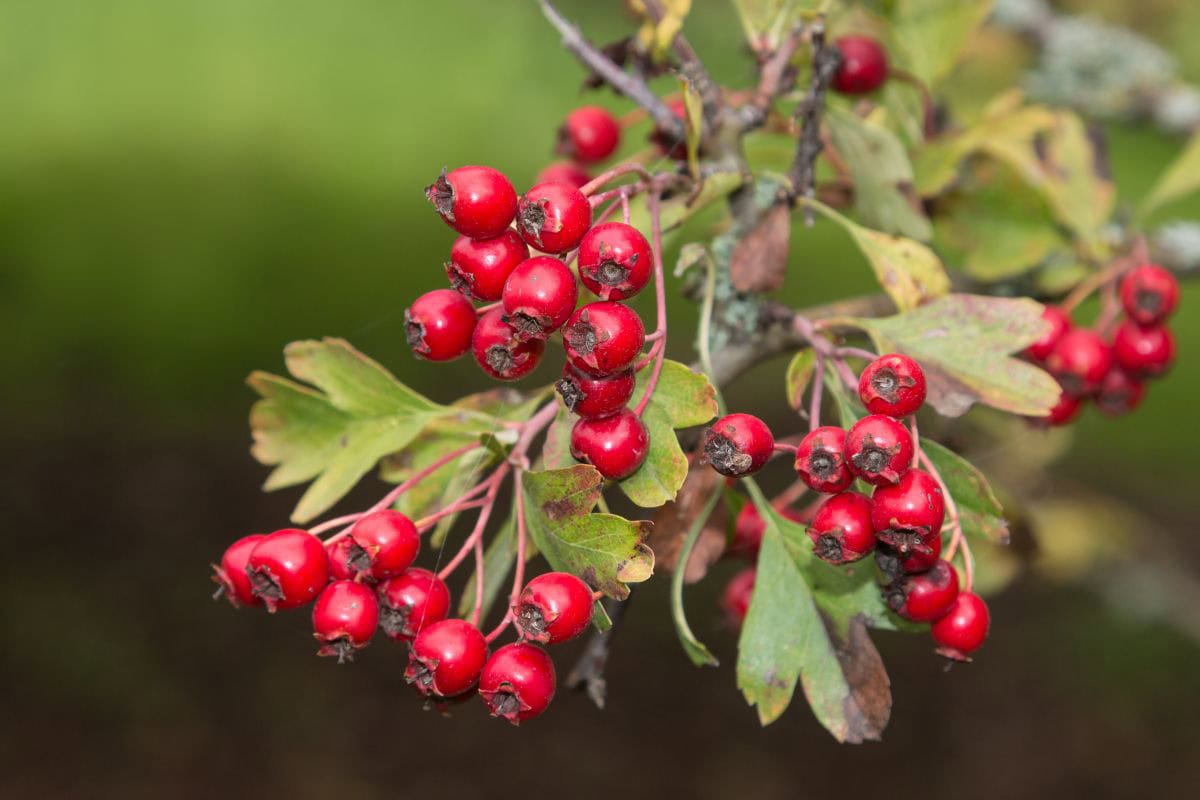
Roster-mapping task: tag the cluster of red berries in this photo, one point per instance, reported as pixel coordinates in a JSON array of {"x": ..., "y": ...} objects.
[
  {"x": 901, "y": 521},
  {"x": 1112, "y": 372},
  {"x": 365, "y": 581}
]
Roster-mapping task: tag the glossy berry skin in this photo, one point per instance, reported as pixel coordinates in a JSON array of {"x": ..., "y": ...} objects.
[
  {"x": 909, "y": 513},
  {"x": 564, "y": 172},
  {"x": 1080, "y": 361},
  {"x": 1064, "y": 411},
  {"x": 667, "y": 144},
  {"x": 499, "y": 352},
  {"x": 593, "y": 398},
  {"x": 1058, "y": 322},
  {"x": 895, "y": 566},
  {"x": 345, "y": 617},
  {"x": 1144, "y": 352},
  {"x": 446, "y": 658},
  {"x": 616, "y": 445},
  {"x": 738, "y": 444},
  {"x": 1119, "y": 394},
  {"x": 476, "y": 201},
  {"x": 748, "y": 530},
  {"x": 553, "y": 607},
  {"x": 589, "y": 134},
  {"x": 963, "y": 629},
  {"x": 385, "y": 544},
  {"x": 892, "y": 384},
  {"x": 231, "y": 575},
  {"x": 410, "y": 601},
  {"x": 879, "y": 449},
  {"x": 615, "y": 261},
  {"x": 517, "y": 683},
  {"x": 864, "y": 65},
  {"x": 604, "y": 338},
  {"x": 439, "y": 325},
  {"x": 553, "y": 217},
  {"x": 735, "y": 598},
  {"x": 478, "y": 268},
  {"x": 1149, "y": 294},
  {"x": 841, "y": 529},
  {"x": 339, "y": 555},
  {"x": 925, "y": 597},
  {"x": 287, "y": 568},
  {"x": 539, "y": 297},
  {"x": 821, "y": 460}
]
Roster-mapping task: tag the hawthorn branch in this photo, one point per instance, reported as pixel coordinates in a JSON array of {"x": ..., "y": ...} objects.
[
  {"x": 803, "y": 171},
  {"x": 776, "y": 76}
]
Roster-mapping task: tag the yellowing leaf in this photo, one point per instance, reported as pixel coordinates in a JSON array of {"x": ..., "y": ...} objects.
[
  {"x": 930, "y": 36},
  {"x": 1179, "y": 180}
]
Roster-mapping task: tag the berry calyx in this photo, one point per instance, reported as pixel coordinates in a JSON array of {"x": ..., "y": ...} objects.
[
  {"x": 592, "y": 398},
  {"x": 892, "y": 384},
  {"x": 738, "y": 444},
  {"x": 446, "y": 658},
  {"x": 879, "y": 449},
  {"x": 604, "y": 338},
  {"x": 863, "y": 67},
  {"x": 552, "y": 608},
  {"x": 287, "y": 568},
  {"x": 894, "y": 565},
  {"x": 385, "y": 543},
  {"x": 439, "y": 325},
  {"x": 1144, "y": 352},
  {"x": 735, "y": 598},
  {"x": 615, "y": 262},
  {"x": 841, "y": 529},
  {"x": 925, "y": 597},
  {"x": 963, "y": 629},
  {"x": 908, "y": 514},
  {"x": 553, "y": 217},
  {"x": 1149, "y": 294},
  {"x": 476, "y": 201},
  {"x": 478, "y": 268},
  {"x": 517, "y": 683},
  {"x": 615, "y": 445},
  {"x": 821, "y": 461},
  {"x": 345, "y": 617},
  {"x": 1080, "y": 361},
  {"x": 1119, "y": 393},
  {"x": 539, "y": 296},
  {"x": 1058, "y": 322},
  {"x": 589, "y": 134},
  {"x": 564, "y": 172},
  {"x": 410, "y": 601},
  {"x": 498, "y": 350},
  {"x": 230, "y": 576}
]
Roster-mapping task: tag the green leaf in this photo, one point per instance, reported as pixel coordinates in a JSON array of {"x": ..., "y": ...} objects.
[
  {"x": 693, "y": 124},
  {"x": 930, "y": 36},
  {"x": 1079, "y": 196},
  {"x": 849, "y": 409},
  {"x": 1179, "y": 180},
  {"x": 556, "y": 451},
  {"x": 681, "y": 399},
  {"x": 605, "y": 550},
  {"x": 964, "y": 344},
  {"x": 978, "y": 509},
  {"x": 799, "y": 374},
  {"x": 700, "y": 655}
]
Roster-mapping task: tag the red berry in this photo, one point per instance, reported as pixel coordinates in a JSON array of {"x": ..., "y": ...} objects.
[
  {"x": 1144, "y": 352},
  {"x": 344, "y": 619},
  {"x": 821, "y": 461},
  {"x": 879, "y": 449},
  {"x": 1080, "y": 361},
  {"x": 1058, "y": 323},
  {"x": 841, "y": 530},
  {"x": 735, "y": 599},
  {"x": 604, "y": 338},
  {"x": 478, "y": 268},
  {"x": 589, "y": 134},
  {"x": 749, "y": 527},
  {"x": 895, "y": 566},
  {"x": 553, "y": 217},
  {"x": 1149, "y": 294},
  {"x": 339, "y": 555},
  {"x": 864, "y": 65},
  {"x": 616, "y": 445},
  {"x": 908, "y": 515},
  {"x": 667, "y": 143},
  {"x": 231, "y": 575},
  {"x": 592, "y": 398},
  {"x": 925, "y": 597},
  {"x": 539, "y": 297},
  {"x": 287, "y": 568},
  {"x": 385, "y": 544},
  {"x": 615, "y": 261},
  {"x": 446, "y": 657},
  {"x": 564, "y": 172},
  {"x": 963, "y": 629},
  {"x": 1119, "y": 393},
  {"x": 738, "y": 444},
  {"x": 410, "y": 601},
  {"x": 476, "y": 201},
  {"x": 498, "y": 350},
  {"x": 892, "y": 384},
  {"x": 1063, "y": 412},
  {"x": 517, "y": 683},
  {"x": 439, "y": 325},
  {"x": 554, "y": 607}
]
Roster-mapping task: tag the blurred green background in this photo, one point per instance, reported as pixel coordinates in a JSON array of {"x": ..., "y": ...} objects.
[{"x": 186, "y": 186}]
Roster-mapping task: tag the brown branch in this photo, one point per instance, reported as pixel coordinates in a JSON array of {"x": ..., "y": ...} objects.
[
  {"x": 776, "y": 76},
  {"x": 803, "y": 172}
]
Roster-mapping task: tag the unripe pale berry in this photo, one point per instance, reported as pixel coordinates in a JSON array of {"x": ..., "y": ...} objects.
[
  {"x": 478, "y": 268},
  {"x": 344, "y": 619},
  {"x": 615, "y": 261},
  {"x": 288, "y": 568},
  {"x": 410, "y": 601},
  {"x": 879, "y": 449},
  {"x": 518, "y": 682},
  {"x": 539, "y": 297},
  {"x": 616, "y": 446},
  {"x": 476, "y": 201},
  {"x": 385, "y": 543},
  {"x": 604, "y": 338},
  {"x": 892, "y": 384},
  {"x": 592, "y": 398},
  {"x": 589, "y": 134},
  {"x": 439, "y": 325},
  {"x": 553, "y": 217},
  {"x": 552, "y": 608},
  {"x": 498, "y": 350},
  {"x": 841, "y": 529},
  {"x": 963, "y": 629},
  {"x": 738, "y": 444},
  {"x": 231, "y": 575},
  {"x": 446, "y": 657},
  {"x": 821, "y": 460}
]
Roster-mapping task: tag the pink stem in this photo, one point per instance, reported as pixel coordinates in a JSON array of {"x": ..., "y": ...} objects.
[
  {"x": 489, "y": 307},
  {"x": 478, "y": 612},
  {"x": 916, "y": 437},
  {"x": 519, "y": 570},
  {"x": 481, "y": 523},
  {"x": 660, "y": 301},
  {"x": 785, "y": 448},
  {"x": 625, "y": 216},
  {"x": 645, "y": 361},
  {"x": 424, "y": 523},
  {"x": 956, "y": 532}
]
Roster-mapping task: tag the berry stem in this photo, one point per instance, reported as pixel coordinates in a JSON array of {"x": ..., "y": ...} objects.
[
  {"x": 519, "y": 569},
  {"x": 654, "y": 336},
  {"x": 458, "y": 506},
  {"x": 957, "y": 538},
  {"x": 818, "y": 389},
  {"x": 781, "y": 447},
  {"x": 618, "y": 171},
  {"x": 916, "y": 437},
  {"x": 485, "y": 309},
  {"x": 660, "y": 300},
  {"x": 493, "y": 484},
  {"x": 854, "y": 352},
  {"x": 790, "y": 495},
  {"x": 1137, "y": 254}
]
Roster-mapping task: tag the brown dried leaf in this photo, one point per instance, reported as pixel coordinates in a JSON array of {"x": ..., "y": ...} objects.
[
  {"x": 672, "y": 521},
  {"x": 868, "y": 703},
  {"x": 759, "y": 261}
]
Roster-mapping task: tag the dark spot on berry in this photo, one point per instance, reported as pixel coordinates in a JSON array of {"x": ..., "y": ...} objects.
[
  {"x": 394, "y": 620},
  {"x": 582, "y": 336},
  {"x": 459, "y": 280},
  {"x": 724, "y": 455},
  {"x": 263, "y": 585},
  {"x": 822, "y": 463},
  {"x": 531, "y": 622},
  {"x": 829, "y": 547},
  {"x": 1149, "y": 301},
  {"x": 610, "y": 273},
  {"x": 358, "y": 558},
  {"x": 532, "y": 219},
  {"x": 572, "y": 395},
  {"x": 414, "y": 332},
  {"x": 500, "y": 359},
  {"x": 885, "y": 383},
  {"x": 441, "y": 194},
  {"x": 527, "y": 326},
  {"x": 906, "y": 540}
]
